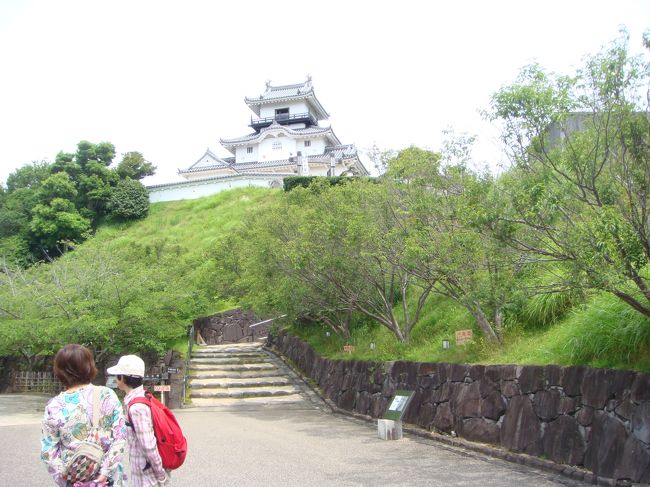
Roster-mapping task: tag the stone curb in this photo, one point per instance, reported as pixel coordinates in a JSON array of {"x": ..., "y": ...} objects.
[{"x": 568, "y": 471}]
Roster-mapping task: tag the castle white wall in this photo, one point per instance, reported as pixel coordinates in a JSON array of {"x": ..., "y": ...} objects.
[
  {"x": 267, "y": 150},
  {"x": 242, "y": 155},
  {"x": 294, "y": 107},
  {"x": 195, "y": 189},
  {"x": 317, "y": 146}
]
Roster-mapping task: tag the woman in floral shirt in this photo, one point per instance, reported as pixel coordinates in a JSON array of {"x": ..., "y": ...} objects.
[{"x": 68, "y": 418}]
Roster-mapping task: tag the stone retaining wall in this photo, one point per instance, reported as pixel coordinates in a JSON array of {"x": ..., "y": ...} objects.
[
  {"x": 231, "y": 326},
  {"x": 598, "y": 419}
]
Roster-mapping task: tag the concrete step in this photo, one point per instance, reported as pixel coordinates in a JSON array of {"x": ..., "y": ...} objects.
[
  {"x": 228, "y": 354},
  {"x": 229, "y": 348},
  {"x": 242, "y": 392},
  {"x": 233, "y": 374},
  {"x": 228, "y": 360},
  {"x": 198, "y": 368},
  {"x": 239, "y": 382},
  {"x": 239, "y": 404}
]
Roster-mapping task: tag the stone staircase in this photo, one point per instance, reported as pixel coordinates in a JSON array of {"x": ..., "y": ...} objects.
[{"x": 244, "y": 375}]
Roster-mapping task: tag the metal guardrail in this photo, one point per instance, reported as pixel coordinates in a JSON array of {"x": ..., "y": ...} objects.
[
  {"x": 260, "y": 323},
  {"x": 188, "y": 357}
]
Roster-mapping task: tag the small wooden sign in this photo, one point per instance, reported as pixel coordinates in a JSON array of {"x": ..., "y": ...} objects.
[
  {"x": 162, "y": 388},
  {"x": 464, "y": 336},
  {"x": 348, "y": 348}
]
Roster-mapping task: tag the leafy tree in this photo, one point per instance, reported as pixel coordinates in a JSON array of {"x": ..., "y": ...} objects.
[
  {"x": 102, "y": 153},
  {"x": 326, "y": 253},
  {"x": 28, "y": 176},
  {"x": 129, "y": 200},
  {"x": 56, "y": 222},
  {"x": 581, "y": 153},
  {"x": 58, "y": 185},
  {"x": 134, "y": 166},
  {"x": 380, "y": 158},
  {"x": 439, "y": 208}
]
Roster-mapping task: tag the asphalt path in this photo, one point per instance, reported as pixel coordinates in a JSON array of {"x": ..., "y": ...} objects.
[{"x": 299, "y": 446}]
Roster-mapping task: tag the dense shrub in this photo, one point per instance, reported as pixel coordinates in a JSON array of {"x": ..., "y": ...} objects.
[
  {"x": 129, "y": 200},
  {"x": 292, "y": 182}
]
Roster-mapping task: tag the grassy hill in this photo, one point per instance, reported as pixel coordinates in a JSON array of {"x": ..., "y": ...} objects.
[
  {"x": 137, "y": 286},
  {"x": 131, "y": 287}
]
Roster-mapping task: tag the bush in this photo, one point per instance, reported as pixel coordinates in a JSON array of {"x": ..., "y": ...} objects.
[
  {"x": 292, "y": 182},
  {"x": 129, "y": 200}
]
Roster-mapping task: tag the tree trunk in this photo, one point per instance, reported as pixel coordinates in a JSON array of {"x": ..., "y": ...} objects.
[{"x": 483, "y": 323}]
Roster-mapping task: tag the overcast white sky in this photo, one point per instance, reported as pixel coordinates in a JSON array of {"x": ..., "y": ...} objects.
[{"x": 168, "y": 78}]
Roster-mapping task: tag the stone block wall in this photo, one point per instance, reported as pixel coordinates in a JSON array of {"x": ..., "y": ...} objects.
[
  {"x": 598, "y": 419},
  {"x": 228, "y": 327}
]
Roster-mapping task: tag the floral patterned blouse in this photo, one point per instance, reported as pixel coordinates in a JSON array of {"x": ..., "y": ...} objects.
[{"x": 67, "y": 420}]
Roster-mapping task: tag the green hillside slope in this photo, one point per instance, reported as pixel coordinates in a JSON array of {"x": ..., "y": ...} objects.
[
  {"x": 131, "y": 287},
  {"x": 137, "y": 287}
]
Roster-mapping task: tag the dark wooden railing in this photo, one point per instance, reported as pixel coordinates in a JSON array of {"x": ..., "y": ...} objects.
[{"x": 283, "y": 118}]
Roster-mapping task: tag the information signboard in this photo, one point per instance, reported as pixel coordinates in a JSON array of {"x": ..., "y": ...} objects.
[
  {"x": 464, "y": 336},
  {"x": 111, "y": 382},
  {"x": 162, "y": 388},
  {"x": 172, "y": 370},
  {"x": 398, "y": 405}
]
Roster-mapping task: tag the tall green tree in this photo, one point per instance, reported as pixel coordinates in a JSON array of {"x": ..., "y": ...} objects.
[
  {"x": 133, "y": 165},
  {"x": 581, "y": 154},
  {"x": 439, "y": 207}
]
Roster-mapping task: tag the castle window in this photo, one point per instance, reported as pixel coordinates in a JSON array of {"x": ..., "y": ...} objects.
[
  {"x": 307, "y": 143},
  {"x": 249, "y": 150},
  {"x": 281, "y": 112},
  {"x": 276, "y": 146}
]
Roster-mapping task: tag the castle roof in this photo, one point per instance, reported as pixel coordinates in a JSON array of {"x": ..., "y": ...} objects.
[
  {"x": 209, "y": 160},
  {"x": 344, "y": 152},
  {"x": 286, "y": 93},
  {"x": 275, "y": 129}
]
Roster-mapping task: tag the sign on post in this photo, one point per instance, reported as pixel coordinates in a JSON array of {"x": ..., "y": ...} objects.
[
  {"x": 162, "y": 388},
  {"x": 398, "y": 405},
  {"x": 464, "y": 336},
  {"x": 348, "y": 348},
  {"x": 172, "y": 370}
]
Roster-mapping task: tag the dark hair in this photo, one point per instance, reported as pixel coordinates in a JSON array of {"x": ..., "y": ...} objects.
[
  {"x": 74, "y": 364},
  {"x": 131, "y": 380}
]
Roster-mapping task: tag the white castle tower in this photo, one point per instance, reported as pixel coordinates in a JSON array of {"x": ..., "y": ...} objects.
[{"x": 287, "y": 140}]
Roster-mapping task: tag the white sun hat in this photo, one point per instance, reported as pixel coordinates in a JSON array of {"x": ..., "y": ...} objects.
[{"x": 128, "y": 365}]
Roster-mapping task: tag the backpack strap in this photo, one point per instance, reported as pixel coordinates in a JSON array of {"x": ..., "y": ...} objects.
[
  {"x": 138, "y": 400},
  {"x": 96, "y": 401}
]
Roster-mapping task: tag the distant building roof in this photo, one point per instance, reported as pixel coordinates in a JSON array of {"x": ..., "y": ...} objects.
[{"x": 277, "y": 94}]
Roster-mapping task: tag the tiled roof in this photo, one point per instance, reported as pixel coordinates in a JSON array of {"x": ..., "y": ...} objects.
[
  {"x": 208, "y": 160},
  {"x": 286, "y": 93},
  {"x": 313, "y": 130},
  {"x": 341, "y": 151}
]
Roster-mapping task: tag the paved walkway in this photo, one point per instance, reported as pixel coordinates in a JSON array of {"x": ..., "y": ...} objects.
[{"x": 277, "y": 447}]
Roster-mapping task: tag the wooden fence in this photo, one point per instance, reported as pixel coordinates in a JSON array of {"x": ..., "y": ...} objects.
[{"x": 36, "y": 382}]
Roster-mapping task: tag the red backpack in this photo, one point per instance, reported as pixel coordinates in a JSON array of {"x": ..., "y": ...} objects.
[{"x": 172, "y": 445}]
